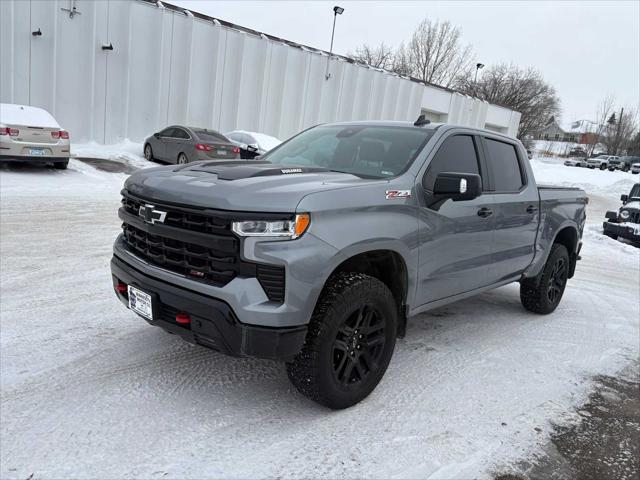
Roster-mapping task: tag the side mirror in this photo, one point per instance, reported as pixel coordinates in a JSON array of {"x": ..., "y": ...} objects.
[
  {"x": 458, "y": 186},
  {"x": 610, "y": 215},
  {"x": 624, "y": 198},
  {"x": 252, "y": 147},
  {"x": 157, "y": 135}
]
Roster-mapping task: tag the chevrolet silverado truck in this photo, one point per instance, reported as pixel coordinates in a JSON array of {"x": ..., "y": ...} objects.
[
  {"x": 318, "y": 252},
  {"x": 625, "y": 222}
]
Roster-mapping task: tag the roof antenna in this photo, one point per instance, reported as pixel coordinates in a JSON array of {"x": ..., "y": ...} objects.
[{"x": 422, "y": 120}]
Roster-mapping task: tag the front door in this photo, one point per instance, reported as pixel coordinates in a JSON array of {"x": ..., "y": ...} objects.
[{"x": 455, "y": 237}]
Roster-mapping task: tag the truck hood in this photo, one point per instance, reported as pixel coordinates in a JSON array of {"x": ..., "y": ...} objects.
[
  {"x": 254, "y": 186},
  {"x": 633, "y": 204}
]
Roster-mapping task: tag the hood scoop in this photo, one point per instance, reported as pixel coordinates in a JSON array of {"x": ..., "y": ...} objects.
[{"x": 238, "y": 170}]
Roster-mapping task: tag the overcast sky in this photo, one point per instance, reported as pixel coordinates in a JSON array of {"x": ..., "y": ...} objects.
[{"x": 586, "y": 49}]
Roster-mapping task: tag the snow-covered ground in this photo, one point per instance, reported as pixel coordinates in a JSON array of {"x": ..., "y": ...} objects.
[{"x": 89, "y": 390}]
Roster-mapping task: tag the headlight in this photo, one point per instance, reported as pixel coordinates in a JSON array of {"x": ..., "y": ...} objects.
[
  {"x": 624, "y": 214},
  {"x": 290, "y": 229}
]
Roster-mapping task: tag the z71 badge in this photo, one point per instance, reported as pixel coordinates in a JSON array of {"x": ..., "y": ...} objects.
[{"x": 391, "y": 194}]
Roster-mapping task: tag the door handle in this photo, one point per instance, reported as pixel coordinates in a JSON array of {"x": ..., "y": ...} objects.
[
  {"x": 532, "y": 209},
  {"x": 485, "y": 212}
]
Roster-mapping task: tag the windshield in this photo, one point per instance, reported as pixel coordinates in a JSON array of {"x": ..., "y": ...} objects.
[
  {"x": 367, "y": 151},
  {"x": 635, "y": 191}
]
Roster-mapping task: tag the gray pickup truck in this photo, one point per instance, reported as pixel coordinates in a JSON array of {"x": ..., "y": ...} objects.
[{"x": 317, "y": 253}]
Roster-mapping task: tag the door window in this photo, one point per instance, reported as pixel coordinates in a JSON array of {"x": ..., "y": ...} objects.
[
  {"x": 167, "y": 132},
  {"x": 181, "y": 134},
  {"x": 457, "y": 154},
  {"x": 505, "y": 167}
]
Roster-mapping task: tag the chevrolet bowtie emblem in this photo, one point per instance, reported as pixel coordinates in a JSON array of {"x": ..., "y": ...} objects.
[{"x": 150, "y": 215}]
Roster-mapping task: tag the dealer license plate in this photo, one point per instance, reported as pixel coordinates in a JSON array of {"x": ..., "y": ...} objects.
[
  {"x": 222, "y": 152},
  {"x": 37, "y": 151},
  {"x": 140, "y": 302}
]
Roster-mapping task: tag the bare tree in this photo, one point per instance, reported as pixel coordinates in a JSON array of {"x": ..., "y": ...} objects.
[
  {"x": 379, "y": 57},
  {"x": 436, "y": 53},
  {"x": 618, "y": 134},
  {"x": 523, "y": 90},
  {"x": 603, "y": 114}
]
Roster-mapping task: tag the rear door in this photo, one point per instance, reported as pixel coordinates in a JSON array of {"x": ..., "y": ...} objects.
[
  {"x": 455, "y": 237},
  {"x": 160, "y": 144},
  {"x": 179, "y": 142},
  {"x": 516, "y": 207}
]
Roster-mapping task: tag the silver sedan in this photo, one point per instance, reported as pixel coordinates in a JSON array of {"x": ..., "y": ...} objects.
[{"x": 180, "y": 144}]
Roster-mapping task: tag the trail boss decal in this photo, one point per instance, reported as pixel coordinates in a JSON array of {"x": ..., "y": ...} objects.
[{"x": 391, "y": 194}]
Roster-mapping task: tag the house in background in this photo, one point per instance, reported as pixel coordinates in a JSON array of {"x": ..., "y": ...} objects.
[{"x": 580, "y": 131}]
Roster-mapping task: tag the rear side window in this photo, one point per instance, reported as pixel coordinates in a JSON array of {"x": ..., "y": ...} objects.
[
  {"x": 210, "y": 136},
  {"x": 457, "y": 154},
  {"x": 505, "y": 168},
  {"x": 167, "y": 132},
  {"x": 180, "y": 133}
]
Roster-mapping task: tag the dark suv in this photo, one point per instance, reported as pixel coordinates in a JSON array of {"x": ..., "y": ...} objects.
[{"x": 623, "y": 163}]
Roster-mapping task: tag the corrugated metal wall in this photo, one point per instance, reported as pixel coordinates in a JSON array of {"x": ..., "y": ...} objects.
[{"x": 170, "y": 67}]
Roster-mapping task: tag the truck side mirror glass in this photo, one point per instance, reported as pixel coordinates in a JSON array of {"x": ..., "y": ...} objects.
[
  {"x": 457, "y": 186},
  {"x": 624, "y": 198}
]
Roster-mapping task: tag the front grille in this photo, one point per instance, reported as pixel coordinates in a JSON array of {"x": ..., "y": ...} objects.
[
  {"x": 185, "y": 258},
  {"x": 196, "y": 244},
  {"x": 634, "y": 217}
]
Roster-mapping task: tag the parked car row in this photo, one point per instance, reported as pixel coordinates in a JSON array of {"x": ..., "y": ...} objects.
[
  {"x": 182, "y": 144},
  {"x": 607, "y": 162}
]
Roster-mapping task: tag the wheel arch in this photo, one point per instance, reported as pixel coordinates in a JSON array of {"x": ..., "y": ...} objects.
[{"x": 388, "y": 266}]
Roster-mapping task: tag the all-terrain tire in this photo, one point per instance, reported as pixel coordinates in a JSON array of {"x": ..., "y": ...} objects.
[
  {"x": 61, "y": 165},
  {"x": 544, "y": 296},
  {"x": 324, "y": 370}
]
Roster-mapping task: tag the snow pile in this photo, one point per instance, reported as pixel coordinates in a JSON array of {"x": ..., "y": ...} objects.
[
  {"x": 126, "y": 152},
  {"x": 24, "y": 115},
  {"x": 552, "y": 171}
]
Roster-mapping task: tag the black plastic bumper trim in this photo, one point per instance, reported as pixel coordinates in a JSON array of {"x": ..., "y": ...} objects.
[{"x": 213, "y": 322}]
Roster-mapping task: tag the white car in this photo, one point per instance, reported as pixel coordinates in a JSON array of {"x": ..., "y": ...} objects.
[
  {"x": 575, "y": 162},
  {"x": 31, "y": 135},
  {"x": 601, "y": 161},
  {"x": 252, "y": 144},
  {"x": 635, "y": 168}
]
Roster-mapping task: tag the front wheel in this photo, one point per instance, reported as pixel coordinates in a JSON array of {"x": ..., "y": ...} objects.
[
  {"x": 544, "y": 296},
  {"x": 349, "y": 343}
]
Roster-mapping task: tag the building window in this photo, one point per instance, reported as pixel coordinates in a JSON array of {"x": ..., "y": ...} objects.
[{"x": 556, "y": 136}]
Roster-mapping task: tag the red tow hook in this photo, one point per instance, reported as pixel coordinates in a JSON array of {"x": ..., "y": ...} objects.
[
  {"x": 121, "y": 288},
  {"x": 183, "y": 318}
]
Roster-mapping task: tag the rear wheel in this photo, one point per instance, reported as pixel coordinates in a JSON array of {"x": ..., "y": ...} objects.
[
  {"x": 148, "y": 152},
  {"x": 182, "y": 159},
  {"x": 544, "y": 296},
  {"x": 61, "y": 165},
  {"x": 349, "y": 343},
  {"x": 603, "y": 167}
]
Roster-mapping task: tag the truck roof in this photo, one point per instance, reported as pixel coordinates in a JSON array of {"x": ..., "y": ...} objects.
[{"x": 428, "y": 126}]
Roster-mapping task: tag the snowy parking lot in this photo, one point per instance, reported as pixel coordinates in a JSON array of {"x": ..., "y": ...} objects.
[{"x": 89, "y": 390}]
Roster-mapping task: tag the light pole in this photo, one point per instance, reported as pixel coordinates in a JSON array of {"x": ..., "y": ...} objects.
[
  {"x": 478, "y": 67},
  {"x": 336, "y": 11}
]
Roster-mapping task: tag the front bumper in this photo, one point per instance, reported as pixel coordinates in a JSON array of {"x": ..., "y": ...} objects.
[
  {"x": 213, "y": 322},
  {"x": 630, "y": 231}
]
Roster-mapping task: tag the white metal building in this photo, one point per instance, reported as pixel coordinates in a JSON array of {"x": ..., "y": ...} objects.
[{"x": 115, "y": 69}]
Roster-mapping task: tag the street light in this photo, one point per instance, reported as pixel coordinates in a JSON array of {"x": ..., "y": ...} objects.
[
  {"x": 336, "y": 11},
  {"x": 478, "y": 67}
]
